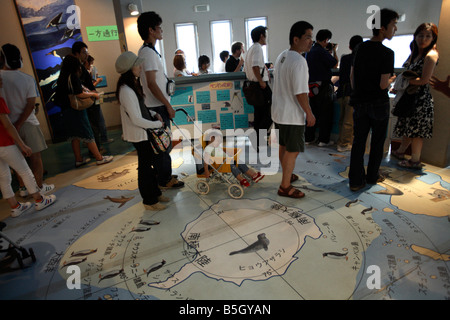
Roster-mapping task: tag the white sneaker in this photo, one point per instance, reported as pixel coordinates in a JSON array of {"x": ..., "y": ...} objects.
[
  {"x": 20, "y": 209},
  {"x": 23, "y": 192},
  {"x": 106, "y": 159},
  {"x": 325, "y": 144},
  {"x": 46, "y": 201},
  {"x": 46, "y": 188}
]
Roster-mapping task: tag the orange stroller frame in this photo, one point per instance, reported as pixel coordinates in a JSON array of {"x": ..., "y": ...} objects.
[{"x": 221, "y": 170}]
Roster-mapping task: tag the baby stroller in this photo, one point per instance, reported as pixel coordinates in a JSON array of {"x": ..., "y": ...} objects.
[
  {"x": 221, "y": 171},
  {"x": 13, "y": 253}
]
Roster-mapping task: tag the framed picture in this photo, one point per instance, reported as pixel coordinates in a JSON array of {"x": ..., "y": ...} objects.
[{"x": 50, "y": 28}]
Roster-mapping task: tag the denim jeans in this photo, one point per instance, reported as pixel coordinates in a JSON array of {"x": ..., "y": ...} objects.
[
  {"x": 238, "y": 169},
  {"x": 369, "y": 116},
  {"x": 163, "y": 161}
]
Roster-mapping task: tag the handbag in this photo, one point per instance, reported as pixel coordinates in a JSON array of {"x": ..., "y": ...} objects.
[
  {"x": 76, "y": 102},
  {"x": 255, "y": 95},
  {"x": 160, "y": 139},
  {"x": 406, "y": 106}
]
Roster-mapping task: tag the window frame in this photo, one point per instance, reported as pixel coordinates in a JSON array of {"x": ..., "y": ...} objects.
[
  {"x": 215, "y": 55},
  {"x": 189, "y": 60},
  {"x": 248, "y": 38}
]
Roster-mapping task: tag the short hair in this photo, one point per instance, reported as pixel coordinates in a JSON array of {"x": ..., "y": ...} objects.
[
  {"x": 354, "y": 41},
  {"x": 298, "y": 29},
  {"x": 236, "y": 46},
  {"x": 323, "y": 34},
  {"x": 77, "y": 46},
  {"x": 258, "y": 32},
  {"x": 202, "y": 60},
  {"x": 224, "y": 55},
  {"x": 146, "y": 21},
  {"x": 11, "y": 56},
  {"x": 178, "y": 62},
  {"x": 386, "y": 16}
]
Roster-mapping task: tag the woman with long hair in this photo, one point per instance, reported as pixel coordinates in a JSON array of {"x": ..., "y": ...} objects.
[
  {"x": 131, "y": 97},
  {"x": 76, "y": 122},
  {"x": 414, "y": 129}
]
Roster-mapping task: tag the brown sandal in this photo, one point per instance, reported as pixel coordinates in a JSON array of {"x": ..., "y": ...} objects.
[
  {"x": 294, "y": 177},
  {"x": 284, "y": 192}
]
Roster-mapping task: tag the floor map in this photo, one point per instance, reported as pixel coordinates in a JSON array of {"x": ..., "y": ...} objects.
[{"x": 388, "y": 241}]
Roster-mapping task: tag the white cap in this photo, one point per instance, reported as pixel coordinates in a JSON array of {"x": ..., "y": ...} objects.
[{"x": 126, "y": 61}]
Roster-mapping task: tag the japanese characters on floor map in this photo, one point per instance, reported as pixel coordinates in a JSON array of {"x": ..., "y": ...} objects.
[{"x": 219, "y": 105}]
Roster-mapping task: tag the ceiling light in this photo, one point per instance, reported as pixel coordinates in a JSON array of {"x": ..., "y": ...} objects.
[{"x": 133, "y": 9}]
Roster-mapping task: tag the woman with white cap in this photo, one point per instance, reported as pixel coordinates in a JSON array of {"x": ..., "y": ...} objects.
[{"x": 130, "y": 95}]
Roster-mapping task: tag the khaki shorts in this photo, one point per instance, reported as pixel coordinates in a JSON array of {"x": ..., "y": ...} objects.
[
  {"x": 292, "y": 137},
  {"x": 33, "y": 137}
]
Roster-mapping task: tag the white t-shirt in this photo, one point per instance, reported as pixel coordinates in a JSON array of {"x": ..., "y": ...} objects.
[
  {"x": 255, "y": 58},
  {"x": 17, "y": 88},
  {"x": 290, "y": 79},
  {"x": 152, "y": 62}
]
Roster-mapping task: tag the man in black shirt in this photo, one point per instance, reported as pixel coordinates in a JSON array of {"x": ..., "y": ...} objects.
[
  {"x": 371, "y": 77},
  {"x": 235, "y": 62}
]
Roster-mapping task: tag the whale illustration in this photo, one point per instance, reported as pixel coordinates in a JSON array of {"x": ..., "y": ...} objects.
[{"x": 262, "y": 243}]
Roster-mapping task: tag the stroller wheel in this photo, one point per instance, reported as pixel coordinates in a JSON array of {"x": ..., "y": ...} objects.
[
  {"x": 235, "y": 191},
  {"x": 202, "y": 187}
]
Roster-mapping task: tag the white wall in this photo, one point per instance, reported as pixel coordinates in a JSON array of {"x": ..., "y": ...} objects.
[{"x": 344, "y": 18}]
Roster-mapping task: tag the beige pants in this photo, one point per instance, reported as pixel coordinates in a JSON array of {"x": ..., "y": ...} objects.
[{"x": 345, "y": 123}]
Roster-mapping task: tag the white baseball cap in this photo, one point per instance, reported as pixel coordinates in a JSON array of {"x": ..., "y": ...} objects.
[{"x": 126, "y": 61}]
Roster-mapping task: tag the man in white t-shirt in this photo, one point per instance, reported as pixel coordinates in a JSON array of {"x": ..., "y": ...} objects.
[
  {"x": 20, "y": 93},
  {"x": 256, "y": 71},
  {"x": 290, "y": 104},
  {"x": 154, "y": 83}
]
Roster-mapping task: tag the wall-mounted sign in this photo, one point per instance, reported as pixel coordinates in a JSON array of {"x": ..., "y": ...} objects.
[{"x": 102, "y": 33}]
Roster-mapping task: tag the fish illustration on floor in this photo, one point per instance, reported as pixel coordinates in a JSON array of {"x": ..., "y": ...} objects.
[
  {"x": 83, "y": 253},
  {"x": 335, "y": 255},
  {"x": 154, "y": 267},
  {"x": 113, "y": 176},
  {"x": 110, "y": 275},
  {"x": 122, "y": 200},
  {"x": 348, "y": 204},
  {"x": 305, "y": 187},
  {"x": 73, "y": 262},
  {"x": 366, "y": 210},
  {"x": 140, "y": 229},
  {"x": 149, "y": 222},
  {"x": 440, "y": 195},
  {"x": 262, "y": 243}
]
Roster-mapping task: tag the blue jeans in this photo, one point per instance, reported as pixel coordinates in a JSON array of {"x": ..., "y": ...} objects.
[
  {"x": 368, "y": 116},
  {"x": 163, "y": 161},
  {"x": 238, "y": 169}
]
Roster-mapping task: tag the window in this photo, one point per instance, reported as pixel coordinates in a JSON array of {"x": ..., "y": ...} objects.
[
  {"x": 221, "y": 40},
  {"x": 160, "y": 48},
  {"x": 400, "y": 45},
  {"x": 250, "y": 24},
  {"x": 186, "y": 34}
]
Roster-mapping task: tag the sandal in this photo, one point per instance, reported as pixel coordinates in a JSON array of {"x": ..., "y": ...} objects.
[
  {"x": 284, "y": 192},
  {"x": 398, "y": 155},
  {"x": 294, "y": 178},
  {"x": 410, "y": 164}
]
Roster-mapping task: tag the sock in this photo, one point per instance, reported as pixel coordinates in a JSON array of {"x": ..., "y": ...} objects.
[{"x": 17, "y": 205}]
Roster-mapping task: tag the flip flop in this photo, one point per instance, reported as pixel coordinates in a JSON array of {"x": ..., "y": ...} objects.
[{"x": 284, "y": 192}]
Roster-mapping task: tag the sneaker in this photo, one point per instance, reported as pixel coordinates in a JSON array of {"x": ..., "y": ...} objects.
[
  {"x": 326, "y": 144},
  {"x": 163, "y": 198},
  {"x": 23, "y": 192},
  {"x": 173, "y": 184},
  {"x": 155, "y": 207},
  {"x": 46, "y": 201},
  {"x": 258, "y": 177},
  {"x": 46, "y": 188},
  {"x": 344, "y": 148},
  {"x": 82, "y": 163},
  {"x": 245, "y": 183},
  {"x": 105, "y": 160},
  {"x": 20, "y": 209}
]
